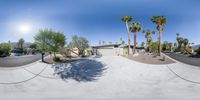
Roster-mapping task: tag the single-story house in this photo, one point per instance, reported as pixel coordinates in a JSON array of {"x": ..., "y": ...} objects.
[{"x": 112, "y": 49}]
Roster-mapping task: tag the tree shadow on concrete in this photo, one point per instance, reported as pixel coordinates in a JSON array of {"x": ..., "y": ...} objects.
[{"x": 83, "y": 70}]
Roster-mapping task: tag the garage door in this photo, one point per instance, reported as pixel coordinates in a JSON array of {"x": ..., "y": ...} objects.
[{"x": 106, "y": 52}]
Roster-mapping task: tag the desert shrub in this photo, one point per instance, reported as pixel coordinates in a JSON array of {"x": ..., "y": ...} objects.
[
  {"x": 56, "y": 59},
  {"x": 5, "y": 49}
]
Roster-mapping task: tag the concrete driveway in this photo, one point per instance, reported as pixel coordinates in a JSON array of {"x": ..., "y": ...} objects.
[{"x": 123, "y": 79}]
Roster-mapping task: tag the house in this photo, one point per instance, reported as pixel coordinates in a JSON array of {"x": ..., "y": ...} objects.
[
  {"x": 195, "y": 47},
  {"x": 106, "y": 50},
  {"x": 113, "y": 49}
]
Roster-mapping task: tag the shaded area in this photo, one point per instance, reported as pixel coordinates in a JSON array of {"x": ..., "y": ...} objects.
[
  {"x": 13, "y": 61},
  {"x": 82, "y": 70},
  {"x": 192, "y": 60}
]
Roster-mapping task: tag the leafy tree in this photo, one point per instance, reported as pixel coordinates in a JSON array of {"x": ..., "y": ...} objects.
[
  {"x": 43, "y": 39},
  {"x": 135, "y": 27},
  {"x": 33, "y": 46},
  {"x": 164, "y": 47},
  {"x": 160, "y": 21},
  {"x": 127, "y": 19},
  {"x": 81, "y": 43},
  {"x": 154, "y": 47},
  {"x": 148, "y": 37},
  {"x": 48, "y": 40}
]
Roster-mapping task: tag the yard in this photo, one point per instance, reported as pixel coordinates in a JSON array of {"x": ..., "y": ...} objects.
[{"x": 121, "y": 79}]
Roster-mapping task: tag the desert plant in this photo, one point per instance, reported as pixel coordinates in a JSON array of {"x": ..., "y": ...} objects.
[
  {"x": 5, "y": 49},
  {"x": 56, "y": 59},
  {"x": 81, "y": 43}
]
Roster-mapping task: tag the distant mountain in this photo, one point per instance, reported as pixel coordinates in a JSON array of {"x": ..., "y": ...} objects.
[{"x": 196, "y": 46}]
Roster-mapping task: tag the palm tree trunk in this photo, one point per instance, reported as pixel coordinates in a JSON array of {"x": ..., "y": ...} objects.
[
  {"x": 147, "y": 45},
  {"x": 129, "y": 47},
  {"x": 134, "y": 42},
  {"x": 159, "y": 42}
]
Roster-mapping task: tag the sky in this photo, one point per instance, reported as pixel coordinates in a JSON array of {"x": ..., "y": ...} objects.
[{"x": 97, "y": 20}]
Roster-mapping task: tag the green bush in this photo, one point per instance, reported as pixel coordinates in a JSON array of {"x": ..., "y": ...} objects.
[
  {"x": 5, "y": 49},
  {"x": 56, "y": 59}
]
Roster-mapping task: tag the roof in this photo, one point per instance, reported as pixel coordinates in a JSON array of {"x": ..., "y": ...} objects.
[{"x": 107, "y": 45}]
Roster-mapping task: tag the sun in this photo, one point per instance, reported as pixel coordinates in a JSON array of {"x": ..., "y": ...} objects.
[{"x": 24, "y": 28}]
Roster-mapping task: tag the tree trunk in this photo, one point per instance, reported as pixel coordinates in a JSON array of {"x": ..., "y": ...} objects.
[
  {"x": 159, "y": 42},
  {"x": 135, "y": 42},
  {"x": 129, "y": 41},
  {"x": 147, "y": 45},
  {"x": 54, "y": 53}
]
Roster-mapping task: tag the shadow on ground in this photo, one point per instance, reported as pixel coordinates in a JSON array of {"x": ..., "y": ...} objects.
[{"x": 83, "y": 70}]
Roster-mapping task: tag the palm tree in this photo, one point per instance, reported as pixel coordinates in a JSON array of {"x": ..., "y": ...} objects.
[
  {"x": 135, "y": 27},
  {"x": 127, "y": 19},
  {"x": 180, "y": 41},
  {"x": 177, "y": 35},
  {"x": 21, "y": 42},
  {"x": 148, "y": 33},
  {"x": 160, "y": 21},
  {"x": 185, "y": 42}
]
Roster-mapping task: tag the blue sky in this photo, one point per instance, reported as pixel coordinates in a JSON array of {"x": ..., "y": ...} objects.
[{"x": 98, "y": 19}]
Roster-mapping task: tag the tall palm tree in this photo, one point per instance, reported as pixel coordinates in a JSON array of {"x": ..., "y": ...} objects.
[
  {"x": 135, "y": 27},
  {"x": 21, "y": 42},
  {"x": 127, "y": 19},
  {"x": 148, "y": 34},
  {"x": 160, "y": 21}
]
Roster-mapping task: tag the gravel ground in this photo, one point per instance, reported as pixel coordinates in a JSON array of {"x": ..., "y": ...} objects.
[
  {"x": 150, "y": 59},
  {"x": 123, "y": 79}
]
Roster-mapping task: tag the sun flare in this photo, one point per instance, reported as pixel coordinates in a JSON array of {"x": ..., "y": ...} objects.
[{"x": 24, "y": 28}]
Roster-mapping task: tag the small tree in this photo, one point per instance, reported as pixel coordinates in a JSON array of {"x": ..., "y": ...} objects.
[
  {"x": 57, "y": 42},
  {"x": 81, "y": 43}
]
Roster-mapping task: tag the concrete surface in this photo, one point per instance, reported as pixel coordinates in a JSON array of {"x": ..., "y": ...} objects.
[{"x": 123, "y": 79}]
